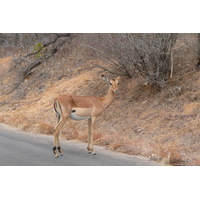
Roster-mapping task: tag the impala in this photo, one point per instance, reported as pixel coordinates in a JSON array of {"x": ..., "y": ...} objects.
[{"x": 80, "y": 108}]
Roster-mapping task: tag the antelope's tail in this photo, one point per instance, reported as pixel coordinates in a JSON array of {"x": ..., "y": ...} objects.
[{"x": 57, "y": 109}]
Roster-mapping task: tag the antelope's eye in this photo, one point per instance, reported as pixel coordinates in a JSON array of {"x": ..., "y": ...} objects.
[{"x": 110, "y": 83}]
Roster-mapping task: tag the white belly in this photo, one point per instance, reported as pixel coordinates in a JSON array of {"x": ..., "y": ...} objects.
[
  {"x": 76, "y": 117},
  {"x": 80, "y": 113}
]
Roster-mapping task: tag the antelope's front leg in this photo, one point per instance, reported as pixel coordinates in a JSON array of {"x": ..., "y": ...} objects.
[{"x": 91, "y": 137}]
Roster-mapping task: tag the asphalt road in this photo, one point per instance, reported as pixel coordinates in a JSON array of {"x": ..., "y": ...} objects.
[{"x": 27, "y": 149}]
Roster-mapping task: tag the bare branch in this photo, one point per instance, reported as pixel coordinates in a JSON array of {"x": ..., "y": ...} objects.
[
  {"x": 26, "y": 68},
  {"x": 91, "y": 48},
  {"x": 106, "y": 69},
  {"x": 172, "y": 65}
]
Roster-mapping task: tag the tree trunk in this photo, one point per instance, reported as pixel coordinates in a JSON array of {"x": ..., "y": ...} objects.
[{"x": 198, "y": 62}]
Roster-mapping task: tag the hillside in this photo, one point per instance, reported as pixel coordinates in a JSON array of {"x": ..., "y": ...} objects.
[{"x": 162, "y": 125}]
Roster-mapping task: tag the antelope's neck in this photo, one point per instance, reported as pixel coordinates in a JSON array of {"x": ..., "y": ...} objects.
[{"x": 108, "y": 99}]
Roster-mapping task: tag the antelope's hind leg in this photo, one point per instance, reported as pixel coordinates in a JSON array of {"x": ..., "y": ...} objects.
[
  {"x": 62, "y": 113},
  {"x": 58, "y": 145},
  {"x": 56, "y": 137}
]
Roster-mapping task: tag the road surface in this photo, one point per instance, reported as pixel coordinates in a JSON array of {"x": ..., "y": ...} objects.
[{"x": 27, "y": 149}]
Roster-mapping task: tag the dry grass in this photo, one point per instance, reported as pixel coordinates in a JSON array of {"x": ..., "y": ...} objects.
[
  {"x": 160, "y": 125},
  {"x": 4, "y": 63}
]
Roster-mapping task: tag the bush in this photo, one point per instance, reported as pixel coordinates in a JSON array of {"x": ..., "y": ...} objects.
[{"x": 147, "y": 54}]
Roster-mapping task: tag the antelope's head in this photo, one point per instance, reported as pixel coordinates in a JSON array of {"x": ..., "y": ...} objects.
[{"x": 113, "y": 83}]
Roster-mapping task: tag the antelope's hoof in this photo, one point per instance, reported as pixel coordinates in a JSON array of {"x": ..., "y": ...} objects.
[
  {"x": 89, "y": 151},
  {"x": 94, "y": 153},
  {"x": 61, "y": 154}
]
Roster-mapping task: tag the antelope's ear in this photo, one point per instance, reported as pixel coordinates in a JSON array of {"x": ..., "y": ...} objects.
[
  {"x": 105, "y": 78},
  {"x": 118, "y": 79}
]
